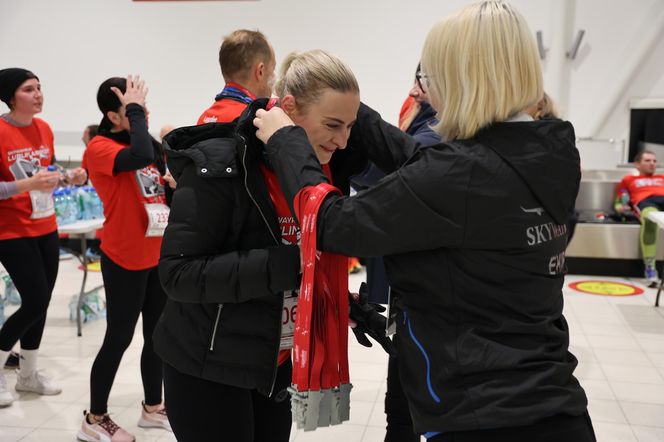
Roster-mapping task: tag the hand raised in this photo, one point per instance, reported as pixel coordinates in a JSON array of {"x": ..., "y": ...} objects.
[{"x": 135, "y": 93}]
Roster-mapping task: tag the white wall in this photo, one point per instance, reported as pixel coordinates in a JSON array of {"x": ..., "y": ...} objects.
[{"x": 73, "y": 45}]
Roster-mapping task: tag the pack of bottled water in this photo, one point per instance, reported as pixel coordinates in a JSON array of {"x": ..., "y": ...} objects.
[
  {"x": 8, "y": 294},
  {"x": 75, "y": 203}
]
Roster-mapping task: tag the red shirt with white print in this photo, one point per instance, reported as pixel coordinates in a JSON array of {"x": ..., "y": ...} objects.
[
  {"x": 125, "y": 195},
  {"x": 641, "y": 187},
  {"x": 225, "y": 110},
  {"x": 23, "y": 151}
]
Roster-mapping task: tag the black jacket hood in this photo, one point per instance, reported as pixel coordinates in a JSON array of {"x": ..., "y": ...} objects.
[{"x": 544, "y": 163}]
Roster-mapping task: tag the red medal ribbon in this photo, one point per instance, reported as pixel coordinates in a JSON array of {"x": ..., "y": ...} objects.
[{"x": 320, "y": 345}]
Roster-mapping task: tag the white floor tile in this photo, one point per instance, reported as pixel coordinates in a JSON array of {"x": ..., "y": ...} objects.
[
  {"x": 13, "y": 434},
  {"x": 632, "y": 373},
  {"x": 649, "y": 415},
  {"x": 645, "y": 393},
  {"x": 648, "y": 434},
  {"x": 609, "y": 432},
  {"x": 606, "y": 411}
]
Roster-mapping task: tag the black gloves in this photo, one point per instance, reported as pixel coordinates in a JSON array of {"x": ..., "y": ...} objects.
[{"x": 369, "y": 321}]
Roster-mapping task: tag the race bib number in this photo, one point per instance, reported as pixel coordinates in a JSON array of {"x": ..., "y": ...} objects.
[
  {"x": 288, "y": 321},
  {"x": 157, "y": 219},
  {"x": 42, "y": 204}
]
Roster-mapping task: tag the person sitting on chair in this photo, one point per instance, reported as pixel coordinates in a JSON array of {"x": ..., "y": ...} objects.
[{"x": 641, "y": 194}]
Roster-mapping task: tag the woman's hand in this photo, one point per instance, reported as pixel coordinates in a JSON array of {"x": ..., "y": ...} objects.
[
  {"x": 170, "y": 180},
  {"x": 44, "y": 181},
  {"x": 268, "y": 122},
  {"x": 76, "y": 176},
  {"x": 135, "y": 93}
]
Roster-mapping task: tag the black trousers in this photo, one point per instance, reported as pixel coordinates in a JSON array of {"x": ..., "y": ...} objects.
[
  {"x": 559, "y": 428},
  {"x": 399, "y": 422},
  {"x": 199, "y": 409},
  {"x": 129, "y": 293},
  {"x": 32, "y": 263}
]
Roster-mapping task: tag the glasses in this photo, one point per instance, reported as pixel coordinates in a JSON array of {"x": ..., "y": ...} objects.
[{"x": 423, "y": 85}]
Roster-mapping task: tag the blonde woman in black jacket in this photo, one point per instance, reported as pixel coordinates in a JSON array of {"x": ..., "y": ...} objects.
[{"x": 474, "y": 233}]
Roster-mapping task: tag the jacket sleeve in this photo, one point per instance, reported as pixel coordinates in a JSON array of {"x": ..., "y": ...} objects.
[
  {"x": 421, "y": 206},
  {"x": 192, "y": 269},
  {"x": 385, "y": 145}
]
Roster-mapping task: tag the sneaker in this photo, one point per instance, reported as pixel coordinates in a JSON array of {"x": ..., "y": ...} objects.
[
  {"x": 156, "y": 419},
  {"x": 92, "y": 255},
  {"x": 6, "y": 397},
  {"x": 12, "y": 361},
  {"x": 38, "y": 383},
  {"x": 64, "y": 255},
  {"x": 103, "y": 431},
  {"x": 651, "y": 276}
]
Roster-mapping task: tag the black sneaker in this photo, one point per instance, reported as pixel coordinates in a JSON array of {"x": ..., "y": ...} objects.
[{"x": 12, "y": 361}]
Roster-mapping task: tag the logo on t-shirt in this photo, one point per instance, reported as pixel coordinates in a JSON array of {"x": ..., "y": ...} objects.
[
  {"x": 27, "y": 161},
  {"x": 150, "y": 182}
]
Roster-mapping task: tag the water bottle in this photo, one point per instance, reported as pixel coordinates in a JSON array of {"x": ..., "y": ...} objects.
[
  {"x": 84, "y": 204},
  {"x": 59, "y": 205},
  {"x": 96, "y": 204},
  {"x": 71, "y": 208}
]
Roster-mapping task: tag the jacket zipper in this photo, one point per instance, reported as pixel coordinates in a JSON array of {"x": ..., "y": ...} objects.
[
  {"x": 276, "y": 241},
  {"x": 216, "y": 324}
]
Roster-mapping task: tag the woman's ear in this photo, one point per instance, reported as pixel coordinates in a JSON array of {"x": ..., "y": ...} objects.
[
  {"x": 115, "y": 118},
  {"x": 289, "y": 105}
]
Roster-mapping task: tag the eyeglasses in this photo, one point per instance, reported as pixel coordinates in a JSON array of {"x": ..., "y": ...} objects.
[{"x": 423, "y": 85}]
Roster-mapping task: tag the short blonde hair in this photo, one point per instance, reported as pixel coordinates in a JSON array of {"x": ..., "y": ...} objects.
[
  {"x": 482, "y": 66},
  {"x": 306, "y": 75}
]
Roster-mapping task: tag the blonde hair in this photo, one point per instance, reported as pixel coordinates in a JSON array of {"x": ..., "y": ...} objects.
[
  {"x": 482, "y": 66},
  {"x": 306, "y": 75}
]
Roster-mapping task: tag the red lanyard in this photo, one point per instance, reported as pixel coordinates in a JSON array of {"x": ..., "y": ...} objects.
[{"x": 320, "y": 345}]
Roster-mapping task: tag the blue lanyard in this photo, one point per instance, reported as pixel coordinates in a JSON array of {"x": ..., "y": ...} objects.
[{"x": 235, "y": 94}]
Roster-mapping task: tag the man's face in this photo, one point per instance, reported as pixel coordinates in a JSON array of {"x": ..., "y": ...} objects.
[{"x": 647, "y": 165}]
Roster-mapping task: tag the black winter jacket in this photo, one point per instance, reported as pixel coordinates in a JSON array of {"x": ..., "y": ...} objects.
[
  {"x": 474, "y": 237},
  {"x": 223, "y": 265}
]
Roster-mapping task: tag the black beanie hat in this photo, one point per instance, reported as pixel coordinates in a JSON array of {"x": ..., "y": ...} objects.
[
  {"x": 10, "y": 80},
  {"x": 108, "y": 101}
]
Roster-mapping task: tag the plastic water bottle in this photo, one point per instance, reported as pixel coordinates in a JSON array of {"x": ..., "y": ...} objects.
[
  {"x": 70, "y": 207},
  {"x": 96, "y": 206},
  {"x": 83, "y": 199},
  {"x": 59, "y": 205}
]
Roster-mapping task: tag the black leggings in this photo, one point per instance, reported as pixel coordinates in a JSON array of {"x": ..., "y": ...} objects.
[
  {"x": 199, "y": 409},
  {"x": 128, "y": 294},
  {"x": 552, "y": 429},
  {"x": 32, "y": 263}
]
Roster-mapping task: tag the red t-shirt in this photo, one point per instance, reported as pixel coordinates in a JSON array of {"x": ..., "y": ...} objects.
[
  {"x": 641, "y": 187},
  {"x": 22, "y": 151},
  {"x": 124, "y": 196},
  {"x": 225, "y": 110}
]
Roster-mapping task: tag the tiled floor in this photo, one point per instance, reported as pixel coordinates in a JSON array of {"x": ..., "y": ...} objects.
[{"x": 619, "y": 342}]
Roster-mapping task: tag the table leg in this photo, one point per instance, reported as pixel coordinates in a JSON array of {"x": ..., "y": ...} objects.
[{"x": 81, "y": 296}]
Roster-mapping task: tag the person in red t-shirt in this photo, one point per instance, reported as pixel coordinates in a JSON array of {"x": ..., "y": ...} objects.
[
  {"x": 28, "y": 231},
  {"x": 247, "y": 64},
  {"x": 643, "y": 193},
  {"x": 126, "y": 166}
]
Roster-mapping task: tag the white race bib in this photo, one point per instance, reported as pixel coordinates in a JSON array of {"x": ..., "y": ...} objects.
[
  {"x": 42, "y": 204},
  {"x": 288, "y": 321},
  {"x": 157, "y": 218}
]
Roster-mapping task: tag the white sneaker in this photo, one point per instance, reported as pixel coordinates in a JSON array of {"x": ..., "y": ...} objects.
[
  {"x": 156, "y": 419},
  {"x": 38, "y": 383},
  {"x": 6, "y": 397}
]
